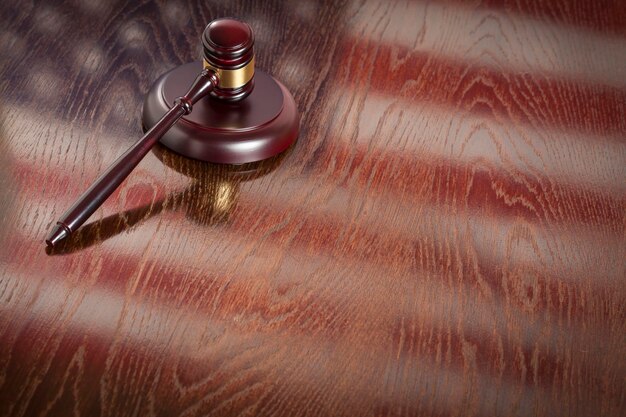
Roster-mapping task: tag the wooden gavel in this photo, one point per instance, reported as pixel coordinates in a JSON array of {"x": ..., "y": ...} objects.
[{"x": 227, "y": 75}]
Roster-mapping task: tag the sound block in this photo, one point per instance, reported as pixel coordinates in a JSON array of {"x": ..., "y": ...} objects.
[{"x": 258, "y": 127}]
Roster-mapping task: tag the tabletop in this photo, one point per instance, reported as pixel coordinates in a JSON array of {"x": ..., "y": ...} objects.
[{"x": 447, "y": 237}]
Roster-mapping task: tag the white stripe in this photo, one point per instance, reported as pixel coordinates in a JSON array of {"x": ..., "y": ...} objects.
[
  {"x": 495, "y": 39},
  {"x": 434, "y": 133}
]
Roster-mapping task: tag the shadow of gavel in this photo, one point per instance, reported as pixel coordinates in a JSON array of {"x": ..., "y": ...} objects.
[{"x": 207, "y": 201}]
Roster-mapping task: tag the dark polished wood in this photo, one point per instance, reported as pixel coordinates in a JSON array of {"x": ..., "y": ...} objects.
[
  {"x": 446, "y": 238},
  {"x": 108, "y": 182},
  {"x": 258, "y": 127},
  {"x": 230, "y": 39}
]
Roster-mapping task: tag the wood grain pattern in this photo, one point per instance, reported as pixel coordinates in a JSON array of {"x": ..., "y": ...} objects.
[{"x": 446, "y": 238}]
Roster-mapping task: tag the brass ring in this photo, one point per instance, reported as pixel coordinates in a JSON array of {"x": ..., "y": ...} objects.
[{"x": 232, "y": 78}]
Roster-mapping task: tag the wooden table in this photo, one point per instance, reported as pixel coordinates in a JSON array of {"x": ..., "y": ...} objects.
[{"x": 446, "y": 238}]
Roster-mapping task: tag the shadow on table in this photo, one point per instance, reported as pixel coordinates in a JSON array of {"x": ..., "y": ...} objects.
[{"x": 207, "y": 201}]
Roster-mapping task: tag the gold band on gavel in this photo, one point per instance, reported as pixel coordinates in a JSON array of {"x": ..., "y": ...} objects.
[{"x": 232, "y": 78}]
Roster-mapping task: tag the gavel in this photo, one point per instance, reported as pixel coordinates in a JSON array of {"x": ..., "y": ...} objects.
[{"x": 228, "y": 77}]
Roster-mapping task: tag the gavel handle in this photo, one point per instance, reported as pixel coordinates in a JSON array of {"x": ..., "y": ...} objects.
[{"x": 108, "y": 182}]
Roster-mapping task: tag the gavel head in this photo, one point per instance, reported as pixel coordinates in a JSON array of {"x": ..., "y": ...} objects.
[{"x": 228, "y": 51}]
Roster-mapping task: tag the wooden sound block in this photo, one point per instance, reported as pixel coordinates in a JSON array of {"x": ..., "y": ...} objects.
[{"x": 258, "y": 127}]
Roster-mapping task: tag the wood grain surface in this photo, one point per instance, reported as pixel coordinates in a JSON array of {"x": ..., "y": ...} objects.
[{"x": 446, "y": 238}]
